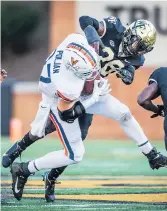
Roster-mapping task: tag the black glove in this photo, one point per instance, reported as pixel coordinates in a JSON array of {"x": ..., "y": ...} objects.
[
  {"x": 161, "y": 111},
  {"x": 127, "y": 75}
]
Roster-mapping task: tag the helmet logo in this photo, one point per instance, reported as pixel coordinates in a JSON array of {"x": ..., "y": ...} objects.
[
  {"x": 73, "y": 61},
  {"x": 139, "y": 24}
]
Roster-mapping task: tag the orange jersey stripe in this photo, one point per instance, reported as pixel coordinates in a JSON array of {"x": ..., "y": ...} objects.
[
  {"x": 59, "y": 133},
  {"x": 63, "y": 97}
]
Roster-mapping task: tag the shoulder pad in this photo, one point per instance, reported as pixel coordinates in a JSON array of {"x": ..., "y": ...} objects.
[{"x": 114, "y": 23}]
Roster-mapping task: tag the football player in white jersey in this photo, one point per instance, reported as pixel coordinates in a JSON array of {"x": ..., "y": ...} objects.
[{"x": 61, "y": 84}]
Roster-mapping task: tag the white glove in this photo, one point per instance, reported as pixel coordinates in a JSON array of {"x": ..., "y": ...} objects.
[
  {"x": 106, "y": 87},
  {"x": 100, "y": 88}
]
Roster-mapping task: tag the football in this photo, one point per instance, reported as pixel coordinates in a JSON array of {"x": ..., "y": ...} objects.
[{"x": 89, "y": 86}]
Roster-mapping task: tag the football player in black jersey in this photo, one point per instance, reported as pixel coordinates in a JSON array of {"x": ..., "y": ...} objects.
[
  {"x": 157, "y": 86},
  {"x": 109, "y": 38},
  {"x": 127, "y": 44}
]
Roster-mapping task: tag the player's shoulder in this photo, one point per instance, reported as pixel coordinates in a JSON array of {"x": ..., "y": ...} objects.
[
  {"x": 161, "y": 71},
  {"x": 71, "y": 38},
  {"x": 113, "y": 23},
  {"x": 154, "y": 76}
]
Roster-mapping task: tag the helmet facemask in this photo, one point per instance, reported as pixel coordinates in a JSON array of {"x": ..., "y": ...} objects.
[
  {"x": 83, "y": 75},
  {"x": 138, "y": 39}
]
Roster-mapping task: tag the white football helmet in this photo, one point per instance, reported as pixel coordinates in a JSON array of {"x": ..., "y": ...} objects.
[{"x": 81, "y": 59}]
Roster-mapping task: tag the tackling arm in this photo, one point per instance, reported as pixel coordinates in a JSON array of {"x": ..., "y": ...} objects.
[
  {"x": 88, "y": 21},
  {"x": 93, "y": 30}
]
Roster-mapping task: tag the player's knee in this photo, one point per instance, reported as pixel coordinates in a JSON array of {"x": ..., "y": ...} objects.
[
  {"x": 125, "y": 114},
  {"x": 79, "y": 154},
  {"x": 78, "y": 158}
]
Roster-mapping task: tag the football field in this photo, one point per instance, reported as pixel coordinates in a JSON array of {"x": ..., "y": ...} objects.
[{"x": 114, "y": 175}]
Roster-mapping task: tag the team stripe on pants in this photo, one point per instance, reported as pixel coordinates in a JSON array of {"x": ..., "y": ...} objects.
[{"x": 62, "y": 135}]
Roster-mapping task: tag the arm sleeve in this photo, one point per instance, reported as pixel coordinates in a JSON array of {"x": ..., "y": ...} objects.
[{"x": 153, "y": 78}]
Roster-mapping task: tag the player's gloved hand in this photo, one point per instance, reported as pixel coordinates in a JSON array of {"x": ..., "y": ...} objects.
[
  {"x": 106, "y": 88},
  {"x": 101, "y": 87},
  {"x": 3, "y": 75},
  {"x": 106, "y": 54},
  {"x": 161, "y": 111},
  {"x": 127, "y": 75}
]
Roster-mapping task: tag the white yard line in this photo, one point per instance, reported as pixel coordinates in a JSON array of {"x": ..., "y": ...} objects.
[
  {"x": 69, "y": 205},
  {"x": 95, "y": 208}
]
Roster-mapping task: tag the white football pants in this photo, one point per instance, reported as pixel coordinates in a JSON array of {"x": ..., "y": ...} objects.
[{"x": 70, "y": 134}]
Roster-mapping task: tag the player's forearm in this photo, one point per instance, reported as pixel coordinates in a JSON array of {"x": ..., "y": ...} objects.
[
  {"x": 89, "y": 102},
  {"x": 148, "y": 105},
  {"x": 146, "y": 96},
  {"x": 88, "y": 21},
  {"x": 92, "y": 29},
  {"x": 145, "y": 101}
]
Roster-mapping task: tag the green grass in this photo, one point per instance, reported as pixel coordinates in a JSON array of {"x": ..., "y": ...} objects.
[
  {"x": 79, "y": 206},
  {"x": 108, "y": 160}
]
